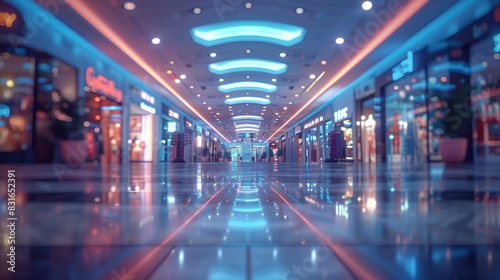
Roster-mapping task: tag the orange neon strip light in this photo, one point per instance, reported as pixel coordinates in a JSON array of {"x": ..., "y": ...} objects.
[
  {"x": 93, "y": 19},
  {"x": 413, "y": 7},
  {"x": 170, "y": 237},
  {"x": 354, "y": 265}
]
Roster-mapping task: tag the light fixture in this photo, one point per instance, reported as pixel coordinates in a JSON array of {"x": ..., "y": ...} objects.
[
  {"x": 182, "y": 76},
  {"x": 267, "y": 96},
  {"x": 227, "y": 96},
  {"x": 172, "y": 62},
  {"x": 247, "y": 117},
  {"x": 299, "y": 11},
  {"x": 285, "y": 108},
  {"x": 312, "y": 76},
  {"x": 367, "y": 5},
  {"x": 247, "y": 86},
  {"x": 248, "y": 5},
  {"x": 246, "y": 125},
  {"x": 247, "y": 99},
  {"x": 248, "y": 77},
  {"x": 248, "y": 51},
  {"x": 296, "y": 95},
  {"x": 247, "y": 129},
  {"x": 221, "y": 80},
  {"x": 209, "y": 108},
  {"x": 282, "y": 54},
  {"x": 198, "y": 95},
  {"x": 247, "y": 65},
  {"x": 339, "y": 41},
  {"x": 155, "y": 41},
  {"x": 245, "y": 31},
  {"x": 177, "y": 81},
  {"x": 191, "y": 87},
  {"x": 197, "y": 11},
  {"x": 213, "y": 54},
  {"x": 129, "y": 6},
  {"x": 323, "y": 62},
  {"x": 274, "y": 80}
]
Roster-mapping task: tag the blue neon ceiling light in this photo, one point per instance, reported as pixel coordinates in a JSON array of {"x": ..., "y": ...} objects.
[
  {"x": 247, "y": 129},
  {"x": 247, "y": 99},
  {"x": 248, "y": 31},
  {"x": 247, "y": 65},
  {"x": 248, "y": 86},
  {"x": 247, "y": 117},
  {"x": 247, "y": 125}
]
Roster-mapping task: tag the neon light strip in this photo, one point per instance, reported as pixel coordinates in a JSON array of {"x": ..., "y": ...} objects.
[
  {"x": 247, "y": 129},
  {"x": 247, "y": 65},
  {"x": 247, "y": 99},
  {"x": 413, "y": 7},
  {"x": 247, "y": 125},
  {"x": 251, "y": 30},
  {"x": 247, "y": 117},
  {"x": 351, "y": 262},
  {"x": 316, "y": 81},
  {"x": 99, "y": 24},
  {"x": 248, "y": 86}
]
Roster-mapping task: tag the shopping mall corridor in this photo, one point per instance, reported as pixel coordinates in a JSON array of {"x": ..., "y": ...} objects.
[{"x": 255, "y": 221}]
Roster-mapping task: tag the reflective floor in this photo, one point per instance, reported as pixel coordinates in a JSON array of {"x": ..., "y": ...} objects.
[{"x": 254, "y": 221}]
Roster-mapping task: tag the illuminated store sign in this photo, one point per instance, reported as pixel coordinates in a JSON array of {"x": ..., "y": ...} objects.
[
  {"x": 313, "y": 122},
  {"x": 173, "y": 114},
  {"x": 4, "y": 111},
  {"x": 147, "y": 97},
  {"x": 11, "y": 20},
  {"x": 148, "y": 108},
  {"x": 341, "y": 114},
  {"x": 405, "y": 67},
  {"x": 496, "y": 40},
  {"x": 100, "y": 84}
]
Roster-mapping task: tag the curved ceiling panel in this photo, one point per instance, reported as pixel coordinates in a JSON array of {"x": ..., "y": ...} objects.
[
  {"x": 247, "y": 86},
  {"x": 247, "y": 65},
  {"x": 248, "y": 31},
  {"x": 247, "y": 99}
]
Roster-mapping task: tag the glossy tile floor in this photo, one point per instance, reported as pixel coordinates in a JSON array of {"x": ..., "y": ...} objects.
[{"x": 254, "y": 221}]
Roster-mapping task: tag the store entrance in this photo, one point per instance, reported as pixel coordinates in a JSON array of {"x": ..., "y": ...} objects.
[
  {"x": 141, "y": 135},
  {"x": 103, "y": 129}
]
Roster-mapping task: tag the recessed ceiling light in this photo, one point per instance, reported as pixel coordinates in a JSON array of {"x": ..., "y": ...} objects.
[
  {"x": 290, "y": 102},
  {"x": 198, "y": 95},
  {"x": 172, "y": 62},
  {"x": 213, "y": 54},
  {"x": 227, "y": 96},
  {"x": 282, "y": 54},
  {"x": 268, "y": 96},
  {"x": 155, "y": 41},
  {"x": 323, "y": 62},
  {"x": 197, "y": 11},
  {"x": 285, "y": 108},
  {"x": 182, "y": 76},
  {"x": 177, "y": 81},
  {"x": 230, "y": 107},
  {"x": 339, "y": 41},
  {"x": 248, "y": 51},
  {"x": 302, "y": 88},
  {"x": 217, "y": 113},
  {"x": 191, "y": 87},
  {"x": 367, "y": 5},
  {"x": 274, "y": 80},
  {"x": 248, "y": 77},
  {"x": 248, "y": 93},
  {"x": 248, "y": 5},
  {"x": 209, "y": 108},
  {"x": 221, "y": 80},
  {"x": 312, "y": 76},
  {"x": 299, "y": 11},
  {"x": 296, "y": 95},
  {"x": 276, "y": 113},
  {"x": 129, "y": 6},
  {"x": 204, "y": 102}
]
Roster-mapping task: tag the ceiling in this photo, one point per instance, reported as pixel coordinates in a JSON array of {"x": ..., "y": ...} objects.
[{"x": 126, "y": 36}]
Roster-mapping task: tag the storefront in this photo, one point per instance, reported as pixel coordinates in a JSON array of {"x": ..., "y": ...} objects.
[
  {"x": 343, "y": 124},
  {"x": 170, "y": 125},
  {"x": 315, "y": 136},
  {"x": 143, "y": 121},
  {"x": 103, "y": 118}
]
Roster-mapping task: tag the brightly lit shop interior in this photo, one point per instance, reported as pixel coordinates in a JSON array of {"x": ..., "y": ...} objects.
[
  {"x": 485, "y": 78},
  {"x": 141, "y": 134},
  {"x": 103, "y": 128},
  {"x": 406, "y": 119}
]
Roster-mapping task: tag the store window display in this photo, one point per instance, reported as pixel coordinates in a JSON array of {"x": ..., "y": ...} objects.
[
  {"x": 406, "y": 119},
  {"x": 485, "y": 58}
]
